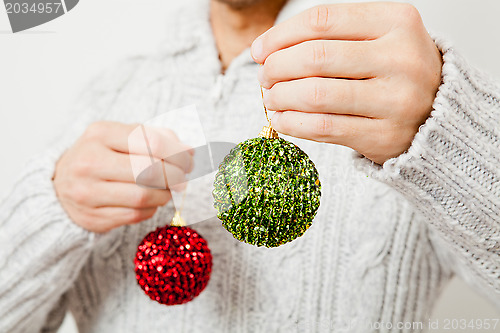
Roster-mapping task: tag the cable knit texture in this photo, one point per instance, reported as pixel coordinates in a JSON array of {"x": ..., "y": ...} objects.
[{"x": 379, "y": 250}]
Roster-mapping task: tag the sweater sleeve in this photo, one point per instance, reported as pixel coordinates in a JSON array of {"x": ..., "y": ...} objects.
[
  {"x": 41, "y": 250},
  {"x": 451, "y": 173}
]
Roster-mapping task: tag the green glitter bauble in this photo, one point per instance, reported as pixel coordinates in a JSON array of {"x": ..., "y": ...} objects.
[{"x": 267, "y": 192}]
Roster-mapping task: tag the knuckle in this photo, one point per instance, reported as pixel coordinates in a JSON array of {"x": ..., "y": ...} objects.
[
  {"x": 135, "y": 216},
  {"x": 138, "y": 215},
  {"x": 409, "y": 59},
  {"x": 319, "y": 19},
  {"x": 409, "y": 14},
  {"x": 151, "y": 213},
  {"x": 95, "y": 130},
  {"x": 141, "y": 198},
  {"x": 319, "y": 55},
  {"x": 417, "y": 66},
  {"x": 405, "y": 100},
  {"x": 94, "y": 224},
  {"x": 317, "y": 96},
  {"x": 398, "y": 61},
  {"x": 389, "y": 137},
  {"x": 147, "y": 214},
  {"x": 324, "y": 126},
  {"x": 346, "y": 96},
  {"x": 165, "y": 135},
  {"x": 83, "y": 166},
  {"x": 155, "y": 143},
  {"x": 165, "y": 198},
  {"x": 170, "y": 135},
  {"x": 80, "y": 194},
  {"x": 151, "y": 175}
]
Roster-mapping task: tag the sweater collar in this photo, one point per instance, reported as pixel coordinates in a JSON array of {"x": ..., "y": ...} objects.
[{"x": 188, "y": 26}]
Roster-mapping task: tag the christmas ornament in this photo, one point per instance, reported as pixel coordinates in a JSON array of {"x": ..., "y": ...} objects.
[
  {"x": 267, "y": 190},
  {"x": 173, "y": 263}
]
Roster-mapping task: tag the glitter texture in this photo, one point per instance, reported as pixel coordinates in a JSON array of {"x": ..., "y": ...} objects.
[
  {"x": 173, "y": 265},
  {"x": 267, "y": 192}
]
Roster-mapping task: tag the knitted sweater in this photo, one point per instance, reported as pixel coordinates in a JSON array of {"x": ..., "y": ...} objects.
[{"x": 384, "y": 242}]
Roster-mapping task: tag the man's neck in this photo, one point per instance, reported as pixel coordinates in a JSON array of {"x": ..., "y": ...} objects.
[{"x": 235, "y": 29}]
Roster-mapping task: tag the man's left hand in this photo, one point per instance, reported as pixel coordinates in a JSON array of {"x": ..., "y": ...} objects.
[{"x": 359, "y": 75}]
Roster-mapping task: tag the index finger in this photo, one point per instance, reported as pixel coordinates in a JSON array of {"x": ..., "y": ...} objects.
[
  {"x": 335, "y": 22},
  {"x": 136, "y": 139},
  {"x": 162, "y": 144}
]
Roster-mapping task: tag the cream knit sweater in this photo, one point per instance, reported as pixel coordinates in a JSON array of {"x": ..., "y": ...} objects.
[{"x": 385, "y": 241}]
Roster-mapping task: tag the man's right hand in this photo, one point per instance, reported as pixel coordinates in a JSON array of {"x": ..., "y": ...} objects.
[{"x": 95, "y": 183}]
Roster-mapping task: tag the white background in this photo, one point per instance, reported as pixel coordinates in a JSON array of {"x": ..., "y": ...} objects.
[{"x": 41, "y": 72}]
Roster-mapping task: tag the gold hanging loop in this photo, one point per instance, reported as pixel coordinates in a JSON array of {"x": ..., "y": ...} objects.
[
  {"x": 177, "y": 220},
  {"x": 268, "y": 131},
  {"x": 264, "y": 105}
]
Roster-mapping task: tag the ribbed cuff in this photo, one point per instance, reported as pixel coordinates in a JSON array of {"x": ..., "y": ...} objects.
[
  {"x": 451, "y": 173},
  {"x": 451, "y": 168}
]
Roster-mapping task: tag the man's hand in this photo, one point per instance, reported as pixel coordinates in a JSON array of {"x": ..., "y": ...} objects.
[
  {"x": 359, "y": 75},
  {"x": 95, "y": 183}
]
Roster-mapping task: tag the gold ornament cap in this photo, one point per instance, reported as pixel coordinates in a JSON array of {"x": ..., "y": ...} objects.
[
  {"x": 177, "y": 220},
  {"x": 268, "y": 132}
]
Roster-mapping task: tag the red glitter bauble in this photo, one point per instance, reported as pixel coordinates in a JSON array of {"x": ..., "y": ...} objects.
[{"x": 173, "y": 265}]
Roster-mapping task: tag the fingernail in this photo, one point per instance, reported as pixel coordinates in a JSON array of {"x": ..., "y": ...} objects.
[{"x": 257, "y": 49}]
